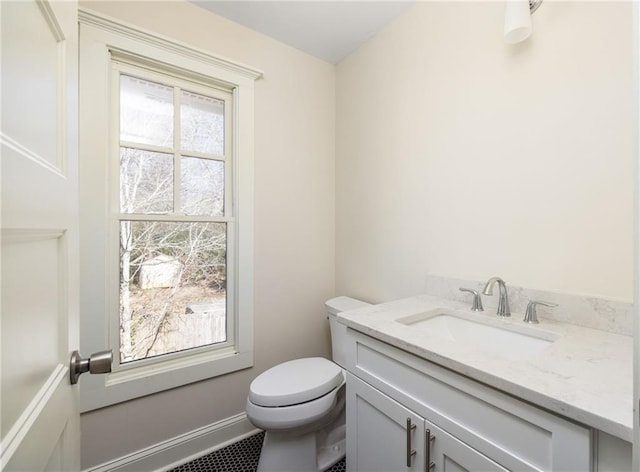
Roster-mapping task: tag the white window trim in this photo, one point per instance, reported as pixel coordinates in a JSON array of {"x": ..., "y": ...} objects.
[{"x": 99, "y": 35}]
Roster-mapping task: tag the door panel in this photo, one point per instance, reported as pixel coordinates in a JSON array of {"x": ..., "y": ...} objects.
[
  {"x": 25, "y": 368},
  {"x": 377, "y": 431},
  {"x": 449, "y": 454},
  {"x": 39, "y": 317},
  {"x": 33, "y": 87}
]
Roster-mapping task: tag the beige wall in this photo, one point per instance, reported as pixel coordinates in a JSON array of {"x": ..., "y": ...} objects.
[
  {"x": 458, "y": 155},
  {"x": 294, "y": 225}
]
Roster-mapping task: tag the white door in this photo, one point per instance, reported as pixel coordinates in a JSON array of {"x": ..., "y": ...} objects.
[{"x": 39, "y": 318}]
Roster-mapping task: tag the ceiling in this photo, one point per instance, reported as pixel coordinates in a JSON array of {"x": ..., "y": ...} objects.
[{"x": 329, "y": 29}]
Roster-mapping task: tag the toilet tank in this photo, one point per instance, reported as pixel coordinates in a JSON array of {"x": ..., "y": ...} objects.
[{"x": 338, "y": 330}]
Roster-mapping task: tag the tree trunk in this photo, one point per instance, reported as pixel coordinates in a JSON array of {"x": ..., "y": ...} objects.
[{"x": 126, "y": 345}]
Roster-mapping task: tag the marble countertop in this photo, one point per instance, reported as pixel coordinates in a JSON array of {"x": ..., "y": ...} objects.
[{"x": 585, "y": 375}]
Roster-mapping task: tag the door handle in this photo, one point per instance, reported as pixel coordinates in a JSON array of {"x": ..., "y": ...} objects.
[
  {"x": 97, "y": 363},
  {"x": 428, "y": 465},
  {"x": 410, "y": 451}
]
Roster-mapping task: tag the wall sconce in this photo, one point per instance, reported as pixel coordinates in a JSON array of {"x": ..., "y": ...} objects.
[{"x": 517, "y": 19}]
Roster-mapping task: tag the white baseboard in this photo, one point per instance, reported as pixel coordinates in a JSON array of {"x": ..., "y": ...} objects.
[{"x": 182, "y": 449}]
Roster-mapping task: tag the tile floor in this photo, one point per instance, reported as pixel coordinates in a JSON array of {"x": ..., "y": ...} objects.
[{"x": 238, "y": 457}]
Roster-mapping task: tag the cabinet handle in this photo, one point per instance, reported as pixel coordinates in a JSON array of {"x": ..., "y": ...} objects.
[
  {"x": 410, "y": 452},
  {"x": 429, "y": 438}
]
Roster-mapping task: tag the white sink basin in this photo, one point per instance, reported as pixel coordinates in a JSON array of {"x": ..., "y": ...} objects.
[{"x": 496, "y": 336}]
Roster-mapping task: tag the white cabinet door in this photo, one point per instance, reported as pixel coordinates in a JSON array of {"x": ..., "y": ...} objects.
[
  {"x": 39, "y": 318},
  {"x": 449, "y": 454},
  {"x": 377, "y": 439}
]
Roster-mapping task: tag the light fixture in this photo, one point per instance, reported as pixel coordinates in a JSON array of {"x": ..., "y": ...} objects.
[{"x": 517, "y": 19}]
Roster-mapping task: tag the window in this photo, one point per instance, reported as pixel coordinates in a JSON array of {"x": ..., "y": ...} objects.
[
  {"x": 166, "y": 211},
  {"x": 174, "y": 152}
]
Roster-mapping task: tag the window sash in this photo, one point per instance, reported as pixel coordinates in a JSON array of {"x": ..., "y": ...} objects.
[
  {"x": 172, "y": 79},
  {"x": 230, "y": 316}
]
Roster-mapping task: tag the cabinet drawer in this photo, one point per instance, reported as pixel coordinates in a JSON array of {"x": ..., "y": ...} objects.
[{"x": 504, "y": 428}]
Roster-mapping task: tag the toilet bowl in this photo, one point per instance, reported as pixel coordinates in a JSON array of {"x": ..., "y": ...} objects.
[{"x": 301, "y": 406}]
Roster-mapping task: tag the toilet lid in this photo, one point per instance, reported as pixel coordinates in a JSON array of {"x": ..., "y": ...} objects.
[{"x": 294, "y": 382}]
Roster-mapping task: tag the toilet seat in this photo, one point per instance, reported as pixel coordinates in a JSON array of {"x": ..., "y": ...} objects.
[
  {"x": 293, "y": 416},
  {"x": 295, "y": 382}
]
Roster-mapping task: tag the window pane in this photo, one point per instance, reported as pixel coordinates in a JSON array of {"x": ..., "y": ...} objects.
[
  {"x": 202, "y": 186},
  {"x": 146, "y": 112},
  {"x": 146, "y": 181},
  {"x": 172, "y": 287},
  {"x": 202, "y": 124}
]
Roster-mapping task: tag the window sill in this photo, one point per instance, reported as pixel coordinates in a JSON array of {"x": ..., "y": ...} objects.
[{"x": 117, "y": 387}]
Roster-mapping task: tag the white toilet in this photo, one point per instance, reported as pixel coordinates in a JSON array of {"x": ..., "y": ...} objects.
[{"x": 300, "y": 405}]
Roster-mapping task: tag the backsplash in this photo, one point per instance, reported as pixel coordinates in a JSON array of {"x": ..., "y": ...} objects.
[{"x": 615, "y": 316}]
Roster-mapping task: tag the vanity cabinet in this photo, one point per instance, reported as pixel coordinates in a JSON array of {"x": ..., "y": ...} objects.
[
  {"x": 475, "y": 426},
  {"x": 384, "y": 436}
]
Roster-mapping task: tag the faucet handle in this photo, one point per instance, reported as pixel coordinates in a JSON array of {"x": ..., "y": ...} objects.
[
  {"x": 531, "y": 316},
  {"x": 477, "y": 300}
]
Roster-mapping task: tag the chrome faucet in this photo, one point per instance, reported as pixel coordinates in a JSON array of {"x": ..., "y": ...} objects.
[
  {"x": 477, "y": 300},
  {"x": 503, "y": 302},
  {"x": 531, "y": 316}
]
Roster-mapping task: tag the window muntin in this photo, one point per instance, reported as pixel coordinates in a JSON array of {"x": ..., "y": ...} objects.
[{"x": 174, "y": 157}]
